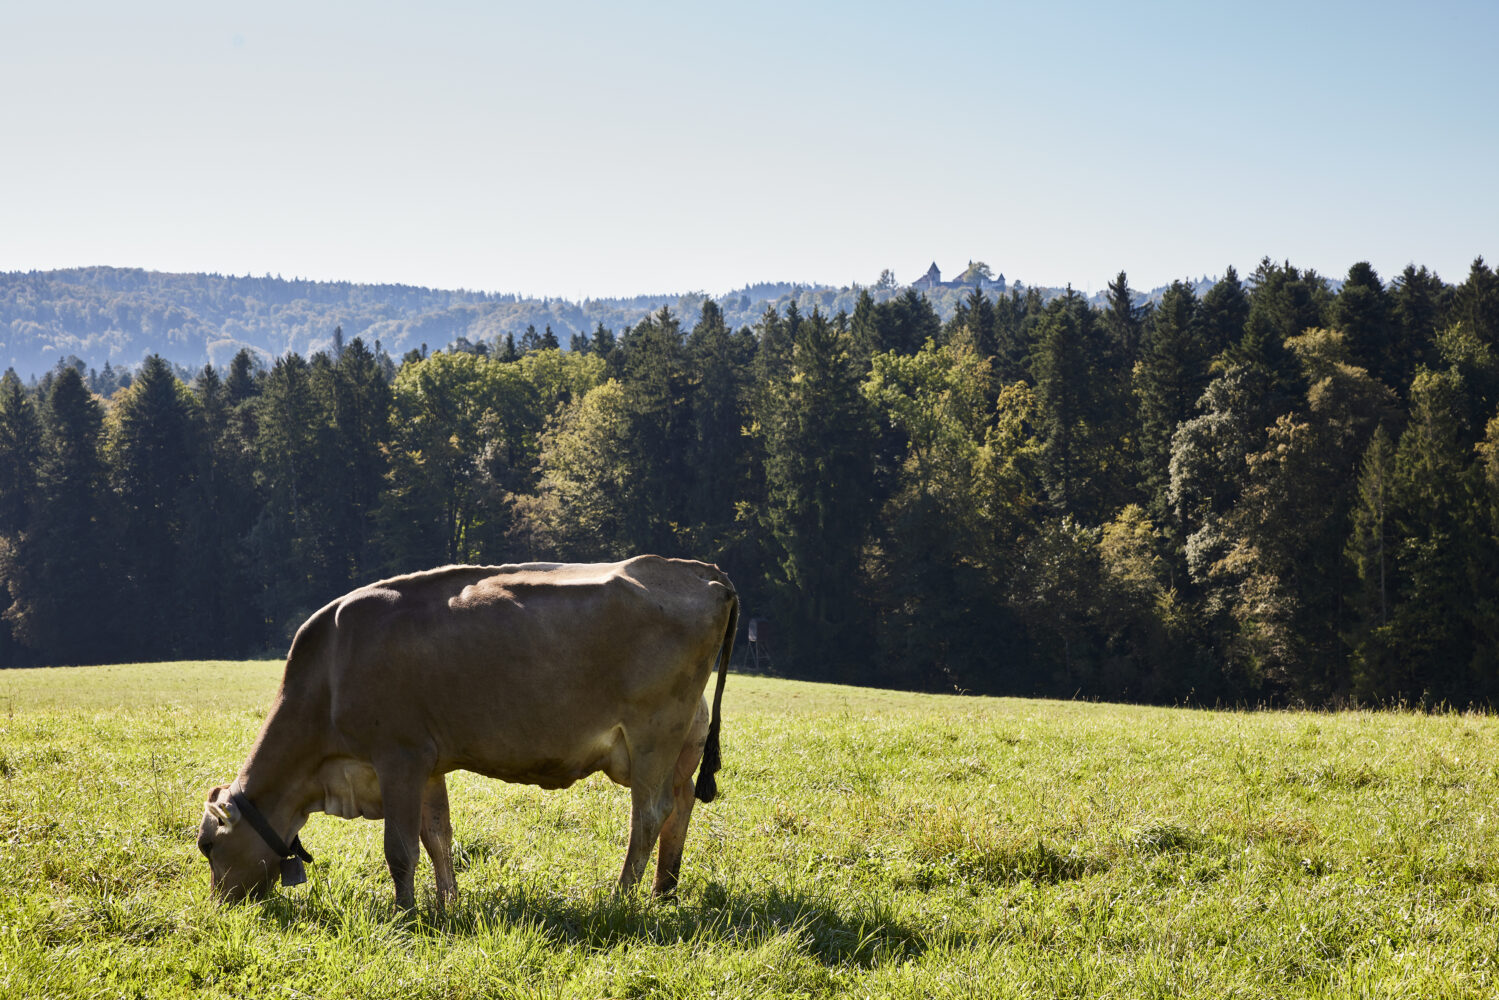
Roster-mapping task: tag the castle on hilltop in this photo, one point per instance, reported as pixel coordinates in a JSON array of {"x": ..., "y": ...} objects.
[{"x": 977, "y": 275}]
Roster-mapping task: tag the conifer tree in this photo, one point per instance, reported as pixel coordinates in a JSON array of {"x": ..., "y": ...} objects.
[
  {"x": 1074, "y": 398},
  {"x": 20, "y": 455},
  {"x": 1475, "y": 303},
  {"x": 656, "y": 385},
  {"x": 974, "y": 323},
  {"x": 241, "y": 383},
  {"x": 1123, "y": 326},
  {"x": 717, "y": 400},
  {"x": 818, "y": 475},
  {"x": 1428, "y": 641},
  {"x": 902, "y": 324},
  {"x": 1225, "y": 310},
  {"x": 1016, "y": 318},
  {"x": 219, "y": 511},
  {"x": 606, "y": 346},
  {"x": 865, "y": 338},
  {"x": 1483, "y": 570},
  {"x": 1370, "y": 552},
  {"x": 1169, "y": 378},
  {"x": 1283, "y": 303},
  {"x": 1362, "y": 311},
  {"x": 360, "y": 414},
  {"x": 1418, "y": 300},
  {"x": 62, "y": 574},
  {"x": 153, "y": 456},
  {"x": 507, "y": 351},
  {"x": 288, "y": 543},
  {"x": 1124, "y": 323}
]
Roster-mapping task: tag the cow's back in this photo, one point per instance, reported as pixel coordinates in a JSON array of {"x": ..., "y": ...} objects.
[{"x": 524, "y": 669}]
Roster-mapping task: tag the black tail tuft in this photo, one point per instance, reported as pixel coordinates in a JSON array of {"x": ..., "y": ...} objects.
[{"x": 706, "y": 788}]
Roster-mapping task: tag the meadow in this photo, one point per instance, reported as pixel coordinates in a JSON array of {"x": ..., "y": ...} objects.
[{"x": 867, "y": 843}]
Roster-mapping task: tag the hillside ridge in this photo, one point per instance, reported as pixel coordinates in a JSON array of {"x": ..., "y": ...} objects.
[{"x": 118, "y": 316}]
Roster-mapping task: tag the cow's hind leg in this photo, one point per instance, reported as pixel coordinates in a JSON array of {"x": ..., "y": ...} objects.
[
  {"x": 403, "y": 779},
  {"x": 437, "y": 838},
  {"x": 674, "y": 831},
  {"x": 650, "y": 803}
]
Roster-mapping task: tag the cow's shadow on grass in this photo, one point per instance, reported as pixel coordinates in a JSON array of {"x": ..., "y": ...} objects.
[{"x": 862, "y": 932}]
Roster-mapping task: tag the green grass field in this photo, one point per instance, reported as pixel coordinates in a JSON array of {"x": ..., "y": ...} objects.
[{"x": 867, "y": 843}]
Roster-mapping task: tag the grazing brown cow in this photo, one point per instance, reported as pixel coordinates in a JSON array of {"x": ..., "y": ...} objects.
[{"x": 539, "y": 673}]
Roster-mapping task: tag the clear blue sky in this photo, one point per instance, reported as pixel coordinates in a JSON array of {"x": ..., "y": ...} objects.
[{"x": 580, "y": 149}]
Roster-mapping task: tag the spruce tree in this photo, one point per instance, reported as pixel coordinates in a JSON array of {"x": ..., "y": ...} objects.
[
  {"x": 1124, "y": 323},
  {"x": 865, "y": 338},
  {"x": 153, "y": 456},
  {"x": 242, "y": 382},
  {"x": 20, "y": 452},
  {"x": 20, "y": 455},
  {"x": 1428, "y": 641},
  {"x": 1074, "y": 397},
  {"x": 1283, "y": 302},
  {"x": 818, "y": 476},
  {"x": 62, "y": 576},
  {"x": 1362, "y": 312},
  {"x": 1370, "y": 552},
  {"x": 717, "y": 399},
  {"x": 656, "y": 385},
  {"x": 1475, "y": 303},
  {"x": 606, "y": 346},
  {"x": 360, "y": 414},
  {"x": 1169, "y": 378},
  {"x": 507, "y": 351},
  {"x": 288, "y": 544},
  {"x": 1225, "y": 310},
  {"x": 1418, "y": 300},
  {"x": 1016, "y": 318},
  {"x": 219, "y": 511}
]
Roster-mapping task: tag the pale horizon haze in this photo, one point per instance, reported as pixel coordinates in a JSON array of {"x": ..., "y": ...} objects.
[{"x": 590, "y": 150}]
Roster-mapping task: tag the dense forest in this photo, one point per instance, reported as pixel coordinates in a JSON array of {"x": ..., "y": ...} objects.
[{"x": 1276, "y": 489}]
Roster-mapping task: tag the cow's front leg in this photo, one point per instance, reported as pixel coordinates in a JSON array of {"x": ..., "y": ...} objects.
[
  {"x": 437, "y": 838},
  {"x": 402, "y": 782}
]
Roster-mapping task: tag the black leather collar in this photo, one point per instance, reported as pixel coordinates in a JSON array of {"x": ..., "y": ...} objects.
[{"x": 263, "y": 827}]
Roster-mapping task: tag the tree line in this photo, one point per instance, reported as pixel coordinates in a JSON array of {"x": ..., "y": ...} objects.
[{"x": 1269, "y": 492}]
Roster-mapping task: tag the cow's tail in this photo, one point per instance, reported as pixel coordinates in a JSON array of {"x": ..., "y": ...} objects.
[{"x": 707, "y": 789}]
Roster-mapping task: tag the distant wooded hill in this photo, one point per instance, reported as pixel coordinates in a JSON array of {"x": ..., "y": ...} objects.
[{"x": 120, "y": 316}]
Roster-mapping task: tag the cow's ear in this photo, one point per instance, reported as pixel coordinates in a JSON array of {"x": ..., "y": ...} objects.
[{"x": 226, "y": 812}]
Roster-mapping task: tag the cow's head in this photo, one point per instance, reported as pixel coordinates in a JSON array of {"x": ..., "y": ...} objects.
[{"x": 241, "y": 863}]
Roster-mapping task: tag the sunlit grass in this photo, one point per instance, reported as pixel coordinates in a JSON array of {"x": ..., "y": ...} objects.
[{"x": 867, "y": 843}]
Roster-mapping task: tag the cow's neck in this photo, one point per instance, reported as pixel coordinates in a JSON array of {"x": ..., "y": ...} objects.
[{"x": 280, "y": 776}]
